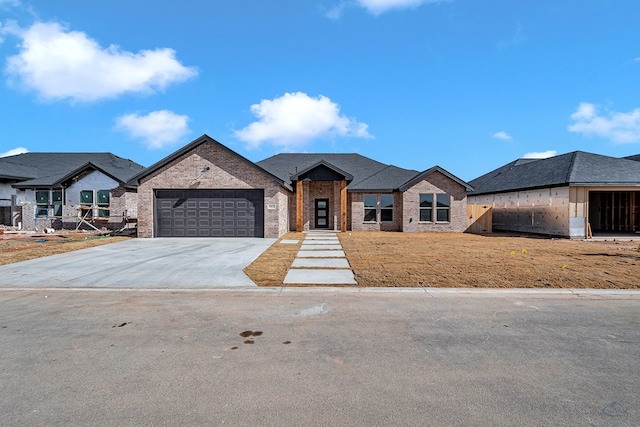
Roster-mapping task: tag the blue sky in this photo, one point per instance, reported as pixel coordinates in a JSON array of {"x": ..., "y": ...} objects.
[{"x": 468, "y": 85}]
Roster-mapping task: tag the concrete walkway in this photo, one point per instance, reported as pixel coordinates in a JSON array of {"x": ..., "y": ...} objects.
[{"x": 320, "y": 261}]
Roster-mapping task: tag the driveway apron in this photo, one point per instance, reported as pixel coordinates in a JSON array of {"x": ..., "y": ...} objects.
[{"x": 194, "y": 263}]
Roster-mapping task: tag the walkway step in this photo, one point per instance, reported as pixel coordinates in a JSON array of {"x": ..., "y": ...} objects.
[
  {"x": 306, "y": 247},
  {"x": 321, "y": 254},
  {"x": 319, "y": 277},
  {"x": 320, "y": 262}
]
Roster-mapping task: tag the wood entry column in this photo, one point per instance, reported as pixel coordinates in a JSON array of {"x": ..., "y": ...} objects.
[
  {"x": 299, "y": 206},
  {"x": 343, "y": 206}
]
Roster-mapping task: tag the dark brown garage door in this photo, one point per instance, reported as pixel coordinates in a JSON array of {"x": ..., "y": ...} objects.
[{"x": 210, "y": 213}]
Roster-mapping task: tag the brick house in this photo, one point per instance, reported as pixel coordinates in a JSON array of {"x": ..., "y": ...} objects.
[
  {"x": 206, "y": 189},
  {"x": 51, "y": 190}
]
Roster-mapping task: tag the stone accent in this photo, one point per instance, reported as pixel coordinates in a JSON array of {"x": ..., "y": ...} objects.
[
  {"x": 435, "y": 183},
  {"x": 225, "y": 171}
]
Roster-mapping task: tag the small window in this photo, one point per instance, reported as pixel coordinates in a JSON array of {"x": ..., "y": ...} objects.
[
  {"x": 386, "y": 207},
  {"x": 103, "y": 203},
  {"x": 56, "y": 197},
  {"x": 86, "y": 202},
  {"x": 42, "y": 203},
  {"x": 444, "y": 203},
  {"x": 426, "y": 207},
  {"x": 370, "y": 201}
]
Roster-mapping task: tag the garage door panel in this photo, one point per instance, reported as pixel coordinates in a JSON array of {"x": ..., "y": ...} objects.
[{"x": 210, "y": 213}]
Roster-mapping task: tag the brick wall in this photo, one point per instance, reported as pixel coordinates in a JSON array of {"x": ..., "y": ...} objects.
[
  {"x": 435, "y": 183},
  {"x": 226, "y": 171},
  {"x": 357, "y": 213}
]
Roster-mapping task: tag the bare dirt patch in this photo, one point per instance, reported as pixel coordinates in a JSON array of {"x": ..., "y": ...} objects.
[
  {"x": 381, "y": 259},
  {"x": 270, "y": 268},
  {"x": 16, "y": 247}
]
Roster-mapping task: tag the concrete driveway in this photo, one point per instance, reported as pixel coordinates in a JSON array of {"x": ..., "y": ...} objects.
[{"x": 143, "y": 263}]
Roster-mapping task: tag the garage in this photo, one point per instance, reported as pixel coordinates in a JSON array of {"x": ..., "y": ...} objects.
[{"x": 209, "y": 213}]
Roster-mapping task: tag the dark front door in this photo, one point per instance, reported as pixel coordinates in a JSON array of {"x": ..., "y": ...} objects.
[{"x": 322, "y": 213}]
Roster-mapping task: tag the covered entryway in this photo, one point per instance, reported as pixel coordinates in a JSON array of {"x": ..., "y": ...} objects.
[{"x": 209, "y": 213}]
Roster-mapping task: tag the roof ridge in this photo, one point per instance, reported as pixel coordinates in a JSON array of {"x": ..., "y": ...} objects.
[{"x": 571, "y": 165}]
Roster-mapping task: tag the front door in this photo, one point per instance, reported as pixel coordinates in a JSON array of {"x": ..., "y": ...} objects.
[{"x": 322, "y": 213}]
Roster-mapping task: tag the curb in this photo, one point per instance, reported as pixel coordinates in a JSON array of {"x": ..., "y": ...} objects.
[{"x": 434, "y": 292}]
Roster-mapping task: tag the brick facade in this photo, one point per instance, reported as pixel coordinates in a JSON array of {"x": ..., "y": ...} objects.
[
  {"x": 357, "y": 213},
  {"x": 225, "y": 171},
  {"x": 435, "y": 183}
]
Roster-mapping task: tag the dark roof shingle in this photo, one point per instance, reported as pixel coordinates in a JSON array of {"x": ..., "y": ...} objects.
[{"x": 575, "y": 168}]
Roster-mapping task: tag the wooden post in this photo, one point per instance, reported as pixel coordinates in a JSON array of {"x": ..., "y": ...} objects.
[
  {"x": 343, "y": 205},
  {"x": 299, "y": 206}
]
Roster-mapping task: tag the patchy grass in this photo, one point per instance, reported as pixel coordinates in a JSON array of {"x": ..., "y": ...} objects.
[
  {"x": 270, "y": 268},
  {"x": 22, "y": 247},
  {"x": 381, "y": 259}
]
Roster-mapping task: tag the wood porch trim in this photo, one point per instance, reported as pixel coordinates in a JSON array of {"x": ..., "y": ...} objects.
[
  {"x": 299, "y": 206},
  {"x": 343, "y": 205}
]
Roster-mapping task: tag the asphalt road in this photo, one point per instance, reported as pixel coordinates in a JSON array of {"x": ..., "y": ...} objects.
[{"x": 317, "y": 357}]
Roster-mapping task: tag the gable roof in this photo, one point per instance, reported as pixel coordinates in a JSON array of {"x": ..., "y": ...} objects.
[
  {"x": 50, "y": 170},
  {"x": 577, "y": 168},
  {"x": 135, "y": 179},
  {"x": 367, "y": 174},
  {"x": 636, "y": 157},
  {"x": 422, "y": 175},
  {"x": 288, "y": 166},
  {"x": 322, "y": 163}
]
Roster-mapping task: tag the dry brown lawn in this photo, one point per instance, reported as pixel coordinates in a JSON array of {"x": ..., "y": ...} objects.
[
  {"x": 464, "y": 260},
  {"x": 16, "y": 247}
]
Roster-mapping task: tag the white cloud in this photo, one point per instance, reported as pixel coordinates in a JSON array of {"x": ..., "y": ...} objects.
[
  {"x": 158, "y": 129},
  {"x": 380, "y": 6},
  {"x": 336, "y": 11},
  {"x": 540, "y": 154},
  {"x": 517, "y": 37},
  {"x": 58, "y": 63},
  {"x": 618, "y": 127},
  {"x": 502, "y": 135},
  {"x": 295, "y": 119},
  {"x": 14, "y": 151}
]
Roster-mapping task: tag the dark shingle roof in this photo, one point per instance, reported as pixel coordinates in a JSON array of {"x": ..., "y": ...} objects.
[
  {"x": 387, "y": 179},
  {"x": 575, "y": 168},
  {"x": 49, "y": 169},
  {"x": 368, "y": 174},
  {"x": 286, "y": 165},
  {"x": 636, "y": 157}
]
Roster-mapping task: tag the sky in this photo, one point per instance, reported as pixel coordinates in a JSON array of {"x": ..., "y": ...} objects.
[{"x": 464, "y": 84}]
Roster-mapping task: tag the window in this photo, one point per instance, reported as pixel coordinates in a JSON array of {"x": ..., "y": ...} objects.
[
  {"x": 42, "y": 203},
  {"x": 370, "y": 202},
  {"x": 442, "y": 211},
  {"x": 386, "y": 207},
  {"x": 56, "y": 197},
  {"x": 103, "y": 203},
  {"x": 86, "y": 201},
  {"x": 426, "y": 207},
  {"x": 442, "y": 207}
]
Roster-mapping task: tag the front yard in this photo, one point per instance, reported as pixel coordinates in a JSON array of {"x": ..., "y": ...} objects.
[{"x": 382, "y": 259}]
